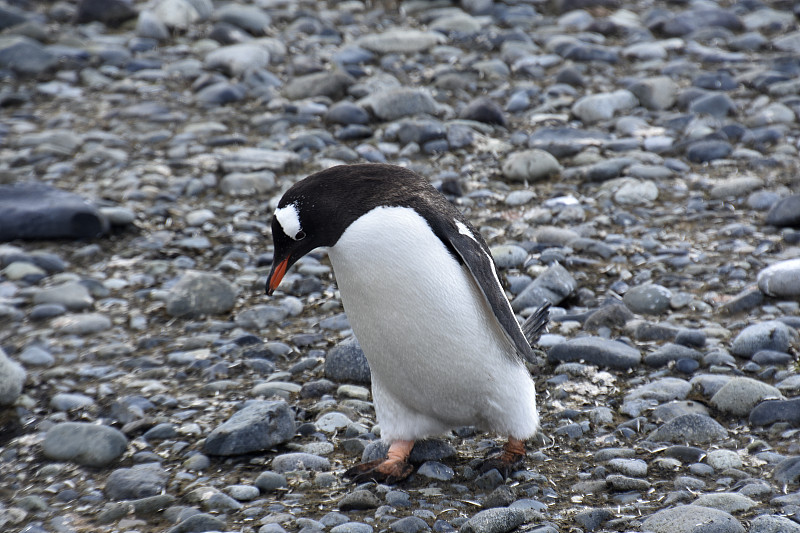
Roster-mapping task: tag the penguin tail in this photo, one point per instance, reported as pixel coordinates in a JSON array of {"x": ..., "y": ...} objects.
[{"x": 536, "y": 324}]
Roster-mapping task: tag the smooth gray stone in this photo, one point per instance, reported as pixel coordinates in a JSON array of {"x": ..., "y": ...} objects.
[
  {"x": 29, "y": 58},
  {"x": 787, "y": 472},
  {"x": 136, "y": 482},
  {"x": 781, "y": 279},
  {"x": 596, "y": 351},
  {"x": 270, "y": 481},
  {"x": 770, "y": 335},
  {"x": 691, "y": 428},
  {"x": 200, "y": 293},
  {"x": 684, "y": 519},
  {"x": 740, "y": 395},
  {"x": 785, "y": 212},
  {"x": 565, "y": 141},
  {"x": 551, "y": 286},
  {"x": 257, "y": 427},
  {"x": 36, "y": 211},
  {"x": 358, "y": 500},
  {"x": 12, "y": 379},
  {"x": 649, "y": 298},
  {"x": 199, "y": 522},
  {"x": 289, "y": 462},
  {"x": 773, "y": 524},
  {"x": 772, "y": 411},
  {"x": 499, "y": 520},
  {"x": 84, "y": 443}
]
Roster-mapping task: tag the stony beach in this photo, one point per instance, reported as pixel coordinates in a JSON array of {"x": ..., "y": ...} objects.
[{"x": 635, "y": 164}]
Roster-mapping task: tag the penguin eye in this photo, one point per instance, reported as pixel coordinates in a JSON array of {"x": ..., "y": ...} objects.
[{"x": 300, "y": 235}]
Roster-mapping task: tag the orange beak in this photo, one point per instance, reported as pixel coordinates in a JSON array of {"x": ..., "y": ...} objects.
[{"x": 276, "y": 275}]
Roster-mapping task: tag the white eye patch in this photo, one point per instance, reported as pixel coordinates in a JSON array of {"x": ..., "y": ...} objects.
[{"x": 289, "y": 219}]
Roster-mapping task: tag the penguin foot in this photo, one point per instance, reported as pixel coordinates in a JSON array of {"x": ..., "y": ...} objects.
[
  {"x": 509, "y": 460},
  {"x": 380, "y": 471},
  {"x": 390, "y": 470}
]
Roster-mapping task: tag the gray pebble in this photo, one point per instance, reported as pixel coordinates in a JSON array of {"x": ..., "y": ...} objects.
[
  {"x": 436, "y": 470},
  {"x": 771, "y": 335},
  {"x": 138, "y": 481},
  {"x": 691, "y": 428},
  {"x": 199, "y": 293},
  {"x": 347, "y": 362},
  {"x": 596, "y": 351},
  {"x": 740, "y": 395},
  {"x": 271, "y": 481},
  {"x": 781, "y": 279},
  {"x": 259, "y": 426},
  {"x": 83, "y": 443},
  {"x": 684, "y": 519},
  {"x": 499, "y": 520},
  {"x": 12, "y": 379},
  {"x": 648, "y": 299},
  {"x": 289, "y": 462}
]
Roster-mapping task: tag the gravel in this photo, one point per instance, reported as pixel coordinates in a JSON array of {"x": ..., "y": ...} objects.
[{"x": 633, "y": 164}]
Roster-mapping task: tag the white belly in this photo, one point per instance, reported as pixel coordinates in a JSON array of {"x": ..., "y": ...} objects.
[{"x": 438, "y": 357}]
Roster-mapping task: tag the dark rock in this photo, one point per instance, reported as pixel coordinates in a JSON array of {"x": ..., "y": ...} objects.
[
  {"x": 346, "y": 113},
  {"x": 785, "y": 213},
  {"x": 257, "y": 427},
  {"x": 771, "y": 411},
  {"x": 608, "y": 316},
  {"x": 671, "y": 352},
  {"x": 484, "y": 110},
  {"x": 596, "y": 351},
  {"x": 109, "y": 12},
  {"x": 347, "y": 362},
  {"x": 787, "y": 472},
  {"x": 198, "y": 523},
  {"x": 38, "y": 211},
  {"x": 705, "y": 151}
]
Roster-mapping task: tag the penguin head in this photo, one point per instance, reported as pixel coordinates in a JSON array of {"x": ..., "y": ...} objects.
[
  {"x": 316, "y": 211},
  {"x": 298, "y": 226}
]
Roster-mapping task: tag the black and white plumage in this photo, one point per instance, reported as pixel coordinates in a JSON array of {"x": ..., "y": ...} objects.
[{"x": 421, "y": 291}]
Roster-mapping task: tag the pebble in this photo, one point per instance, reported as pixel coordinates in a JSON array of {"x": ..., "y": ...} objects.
[
  {"x": 531, "y": 165},
  {"x": 85, "y": 444},
  {"x": 200, "y": 293},
  {"x": 139, "y": 481},
  {"x": 436, "y": 470},
  {"x": 648, "y": 299},
  {"x": 684, "y": 519},
  {"x": 347, "y": 362},
  {"x": 497, "y": 520},
  {"x": 781, "y": 279},
  {"x": 771, "y": 411},
  {"x": 359, "y": 500},
  {"x": 12, "y": 379},
  {"x": 596, "y": 351},
  {"x": 691, "y": 428},
  {"x": 740, "y": 395},
  {"x": 258, "y": 426},
  {"x": 771, "y": 335},
  {"x": 289, "y": 462}
]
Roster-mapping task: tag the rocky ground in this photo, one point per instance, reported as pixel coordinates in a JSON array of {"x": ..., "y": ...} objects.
[{"x": 634, "y": 164}]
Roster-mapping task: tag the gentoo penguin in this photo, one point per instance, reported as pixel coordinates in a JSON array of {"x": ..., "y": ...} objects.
[{"x": 421, "y": 292}]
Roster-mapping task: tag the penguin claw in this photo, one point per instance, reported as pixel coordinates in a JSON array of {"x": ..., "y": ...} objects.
[
  {"x": 380, "y": 471},
  {"x": 503, "y": 462}
]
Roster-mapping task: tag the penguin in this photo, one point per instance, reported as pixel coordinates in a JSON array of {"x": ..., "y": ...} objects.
[{"x": 421, "y": 291}]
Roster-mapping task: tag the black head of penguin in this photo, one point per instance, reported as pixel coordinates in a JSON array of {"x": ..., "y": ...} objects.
[{"x": 316, "y": 211}]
